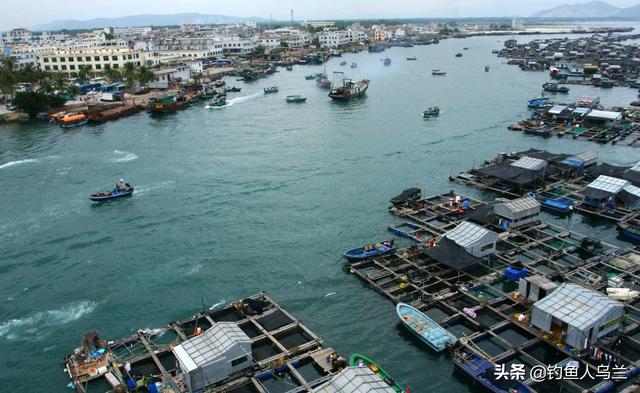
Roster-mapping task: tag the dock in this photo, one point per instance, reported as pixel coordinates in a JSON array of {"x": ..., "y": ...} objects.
[{"x": 251, "y": 345}]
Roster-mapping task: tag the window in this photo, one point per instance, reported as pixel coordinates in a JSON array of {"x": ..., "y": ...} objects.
[
  {"x": 63, "y": 67},
  {"x": 98, "y": 66},
  {"x": 72, "y": 67},
  {"x": 238, "y": 361},
  {"x": 486, "y": 247},
  {"x": 87, "y": 58},
  {"x": 115, "y": 65},
  {"x": 55, "y": 68},
  {"x": 128, "y": 56},
  {"x": 46, "y": 59},
  {"x": 47, "y": 68},
  {"x": 105, "y": 58},
  {"x": 79, "y": 58},
  {"x": 96, "y": 58},
  {"x": 70, "y": 59},
  {"x": 114, "y": 58},
  {"x": 54, "y": 59}
]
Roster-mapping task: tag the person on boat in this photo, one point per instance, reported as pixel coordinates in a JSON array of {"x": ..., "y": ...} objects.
[{"x": 121, "y": 186}]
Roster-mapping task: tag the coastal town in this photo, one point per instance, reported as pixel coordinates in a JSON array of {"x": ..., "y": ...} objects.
[{"x": 323, "y": 205}]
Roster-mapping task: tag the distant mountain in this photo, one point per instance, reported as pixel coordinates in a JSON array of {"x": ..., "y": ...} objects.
[
  {"x": 141, "y": 20},
  {"x": 592, "y": 9}
]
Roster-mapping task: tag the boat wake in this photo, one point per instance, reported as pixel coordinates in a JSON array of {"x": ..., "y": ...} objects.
[
  {"x": 32, "y": 327},
  {"x": 141, "y": 190},
  {"x": 19, "y": 162},
  {"x": 220, "y": 303},
  {"x": 236, "y": 100},
  {"x": 155, "y": 332},
  {"x": 123, "y": 156}
]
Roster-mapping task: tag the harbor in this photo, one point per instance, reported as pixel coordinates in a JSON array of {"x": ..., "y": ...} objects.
[{"x": 262, "y": 195}]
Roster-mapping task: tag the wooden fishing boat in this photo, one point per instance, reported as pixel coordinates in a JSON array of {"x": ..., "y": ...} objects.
[
  {"x": 431, "y": 111},
  {"x": 428, "y": 331},
  {"x": 232, "y": 89},
  {"x": 554, "y": 88},
  {"x": 630, "y": 229},
  {"x": 359, "y": 360},
  {"x": 310, "y": 77},
  {"x": 343, "y": 63},
  {"x": 437, "y": 72},
  {"x": 369, "y": 251},
  {"x": 412, "y": 58},
  {"x": 105, "y": 196},
  {"x": 269, "y": 90},
  {"x": 410, "y": 231},
  {"x": 218, "y": 103},
  {"x": 73, "y": 120},
  {"x": 295, "y": 99}
]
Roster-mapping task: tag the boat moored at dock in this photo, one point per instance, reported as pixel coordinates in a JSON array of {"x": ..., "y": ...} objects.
[
  {"x": 428, "y": 331},
  {"x": 370, "y": 251},
  {"x": 359, "y": 360},
  {"x": 555, "y": 88},
  {"x": 343, "y": 89}
]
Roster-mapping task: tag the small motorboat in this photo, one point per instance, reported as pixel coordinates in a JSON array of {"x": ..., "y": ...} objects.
[
  {"x": 387, "y": 61},
  {"x": 269, "y": 90},
  {"x": 295, "y": 99},
  {"x": 71, "y": 120},
  {"x": 412, "y": 58},
  {"x": 431, "y": 111},
  {"x": 343, "y": 63},
  {"x": 232, "y": 89},
  {"x": 458, "y": 54},
  {"x": 219, "y": 83},
  {"x": 537, "y": 102},
  {"x": 369, "y": 251},
  {"x": 487, "y": 68},
  {"x": 359, "y": 360},
  {"x": 438, "y": 72},
  {"x": 427, "y": 330},
  {"x": 219, "y": 102},
  {"x": 406, "y": 197},
  {"x": 410, "y": 231},
  {"x": 554, "y": 88},
  {"x": 354, "y": 65},
  {"x": 310, "y": 77},
  {"x": 289, "y": 68},
  {"x": 121, "y": 191}
]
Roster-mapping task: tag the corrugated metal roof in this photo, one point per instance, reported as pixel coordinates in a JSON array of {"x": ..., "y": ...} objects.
[
  {"x": 633, "y": 190},
  {"x": 557, "y": 109},
  {"x": 467, "y": 234},
  {"x": 355, "y": 380},
  {"x": 576, "y": 305},
  {"x": 534, "y": 164},
  {"x": 587, "y": 156},
  {"x": 607, "y": 115},
  {"x": 609, "y": 184},
  {"x": 211, "y": 344},
  {"x": 522, "y": 204},
  {"x": 636, "y": 167}
]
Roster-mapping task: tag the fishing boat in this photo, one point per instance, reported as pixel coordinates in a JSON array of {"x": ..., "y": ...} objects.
[
  {"x": 116, "y": 193},
  {"x": 354, "y": 65},
  {"x": 289, "y": 68},
  {"x": 219, "y": 102},
  {"x": 410, "y": 231},
  {"x": 369, "y": 251},
  {"x": 335, "y": 53},
  {"x": 458, "y": 54},
  {"x": 481, "y": 371},
  {"x": 166, "y": 103},
  {"x": 343, "y": 63},
  {"x": 343, "y": 89},
  {"x": 406, "y": 197},
  {"x": 540, "y": 130},
  {"x": 437, "y": 72},
  {"x": 554, "y": 88},
  {"x": 412, "y": 58},
  {"x": 270, "y": 90},
  {"x": 376, "y": 48},
  {"x": 359, "y": 360},
  {"x": 219, "y": 83},
  {"x": 537, "y": 102},
  {"x": 293, "y": 99},
  {"x": 428, "y": 331},
  {"x": 310, "y": 77},
  {"x": 71, "y": 120},
  {"x": 386, "y": 61},
  {"x": 233, "y": 89},
  {"x": 487, "y": 68},
  {"x": 630, "y": 229},
  {"x": 431, "y": 111}
]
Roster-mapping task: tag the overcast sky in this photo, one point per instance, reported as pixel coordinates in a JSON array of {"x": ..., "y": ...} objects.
[{"x": 16, "y": 13}]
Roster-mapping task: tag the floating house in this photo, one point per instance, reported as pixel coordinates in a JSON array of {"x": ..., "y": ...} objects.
[
  {"x": 577, "y": 315},
  {"x": 609, "y": 191},
  {"x": 603, "y": 118},
  {"x": 518, "y": 212},
  {"x": 535, "y": 287},
  {"x": 581, "y": 161},
  {"x": 213, "y": 356},
  {"x": 464, "y": 245},
  {"x": 356, "y": 380}
]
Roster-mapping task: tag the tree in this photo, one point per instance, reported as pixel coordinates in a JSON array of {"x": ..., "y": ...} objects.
[
  {"x": 129, "y": 76},
  {"x": 7, "y": 75},
  {"x": 28, "y": 74},
  {"x": 145, "y": 75},
  {"x": 111, "y": 74},
  {"x": 315, "y": 42},
  {"x": 259, "y": 50},
  {"x": 284, "y": 44},
  {"x": 33, "y": 102},
  {"x": 83, "y": 74}
]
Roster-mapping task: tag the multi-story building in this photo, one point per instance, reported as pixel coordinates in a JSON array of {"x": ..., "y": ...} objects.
[
  {"x": 269, "y": 41},
  {"x": 19, "y": 35},
  {"x": 355, "y": 35},
  {"x": 333, "y": 39},
  {"x": 96, "y": 59},
  {"x": 166, "y": 76},
  {"x": 318, "y": 24},
  {"x": 236, "y": 45},
  {"x": 132, "y": 31}
]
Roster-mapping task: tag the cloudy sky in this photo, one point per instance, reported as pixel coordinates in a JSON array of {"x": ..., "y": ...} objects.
[{"x": 15, "y": 13}]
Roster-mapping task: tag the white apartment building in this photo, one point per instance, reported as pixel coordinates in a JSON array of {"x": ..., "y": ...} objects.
[
  {"x": 333, "y": 39},
  {"x": 177, "y": 56},
  {"x": 318, "y": 24},
  {"x": 236, "y": 45},
  {"x": 19, "y": 35},
  {"x": 355, "y": 35},
  {"x": 69, "y": 61},
  {"x": 132, "y": 31},
  {"x": 269, "y": 41},
  {"x": 166, "y": 76}
]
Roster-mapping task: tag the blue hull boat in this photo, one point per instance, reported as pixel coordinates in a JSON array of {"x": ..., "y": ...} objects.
[
  {"x": 428, "y": 331},
  {"x": 410, "y": 231},
  {"x": 537, "y": 102},
  {"x": 359, "y": 254},
  {"x": 106, "y": 196}
]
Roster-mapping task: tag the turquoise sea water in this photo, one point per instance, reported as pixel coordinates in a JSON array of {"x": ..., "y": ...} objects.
[{"x": 259, "y": 195}]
